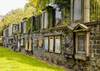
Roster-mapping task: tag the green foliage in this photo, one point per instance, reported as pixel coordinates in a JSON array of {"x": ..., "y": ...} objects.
[
  {"x": 28, "y": 25},
  {"x": 39, "y": 5},
  {"x": 37, "y": 23},
  {"x": 16, "y": 16},
  {"x": 28, "y": 10},
  {"x": 35, "y": 7},
  {"x": 95, "y": 10}
]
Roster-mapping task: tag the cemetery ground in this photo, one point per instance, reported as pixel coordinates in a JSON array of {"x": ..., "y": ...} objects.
[{"x": 16, "y": 61}]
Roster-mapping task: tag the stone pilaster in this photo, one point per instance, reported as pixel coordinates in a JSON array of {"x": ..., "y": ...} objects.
[{"x": 86, "y": 10}]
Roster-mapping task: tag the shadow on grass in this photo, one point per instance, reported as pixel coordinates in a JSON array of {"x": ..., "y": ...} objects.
[{"x": 21, "y": 58}]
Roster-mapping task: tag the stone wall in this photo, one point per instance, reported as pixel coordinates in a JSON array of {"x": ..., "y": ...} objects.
[
  {"x": 66, "y": 57},
  {"x": 95, "y": 39},
  {"x": 95, "y": 47}
]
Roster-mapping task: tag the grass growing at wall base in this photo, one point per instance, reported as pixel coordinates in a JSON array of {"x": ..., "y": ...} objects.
[{"x": 14, "y": 61}]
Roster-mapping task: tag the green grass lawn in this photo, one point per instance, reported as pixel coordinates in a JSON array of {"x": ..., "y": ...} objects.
[{"x": 14, "y": 61}]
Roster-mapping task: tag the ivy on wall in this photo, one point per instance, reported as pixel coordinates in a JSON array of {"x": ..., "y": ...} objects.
[{"x": 28, "y": 25}]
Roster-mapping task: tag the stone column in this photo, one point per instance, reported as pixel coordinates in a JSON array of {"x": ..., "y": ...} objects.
[
  {"x": 86, "y": 10},
  {"x": 71, "y": 10}
]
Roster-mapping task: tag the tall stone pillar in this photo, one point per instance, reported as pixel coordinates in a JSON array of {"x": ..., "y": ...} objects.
[
  {"x": 86, "y": 10},
  {"x": 71, "y": 10}
]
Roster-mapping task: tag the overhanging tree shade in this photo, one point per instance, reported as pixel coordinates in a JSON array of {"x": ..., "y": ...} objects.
[
  {"x": 64, "y": 10},
  {"x": 40, "y": 3},
  {"x": 28, "y": 25},
  {"x": 63, "y": 4},
  {"x": 48, "y": 18},
  {"x": 36, "y": 23},
  {"x": 53, "y": 14},
  {"x": 33, "y": 23}
]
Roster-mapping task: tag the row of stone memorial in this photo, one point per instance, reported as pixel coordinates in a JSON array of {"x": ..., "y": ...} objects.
[{"x": 53, "y": 37}]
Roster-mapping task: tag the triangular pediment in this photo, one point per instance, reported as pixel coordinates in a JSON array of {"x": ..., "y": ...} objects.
[{"x": 80, "y": 27}]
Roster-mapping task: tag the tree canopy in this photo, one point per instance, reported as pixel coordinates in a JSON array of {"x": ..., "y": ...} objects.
[
  {"x": 34, "y": 7},
  {"x": 16, "y": 16}
]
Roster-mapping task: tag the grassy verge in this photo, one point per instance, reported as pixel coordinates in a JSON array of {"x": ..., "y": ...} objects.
[{"x": 13, "y": 61}]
